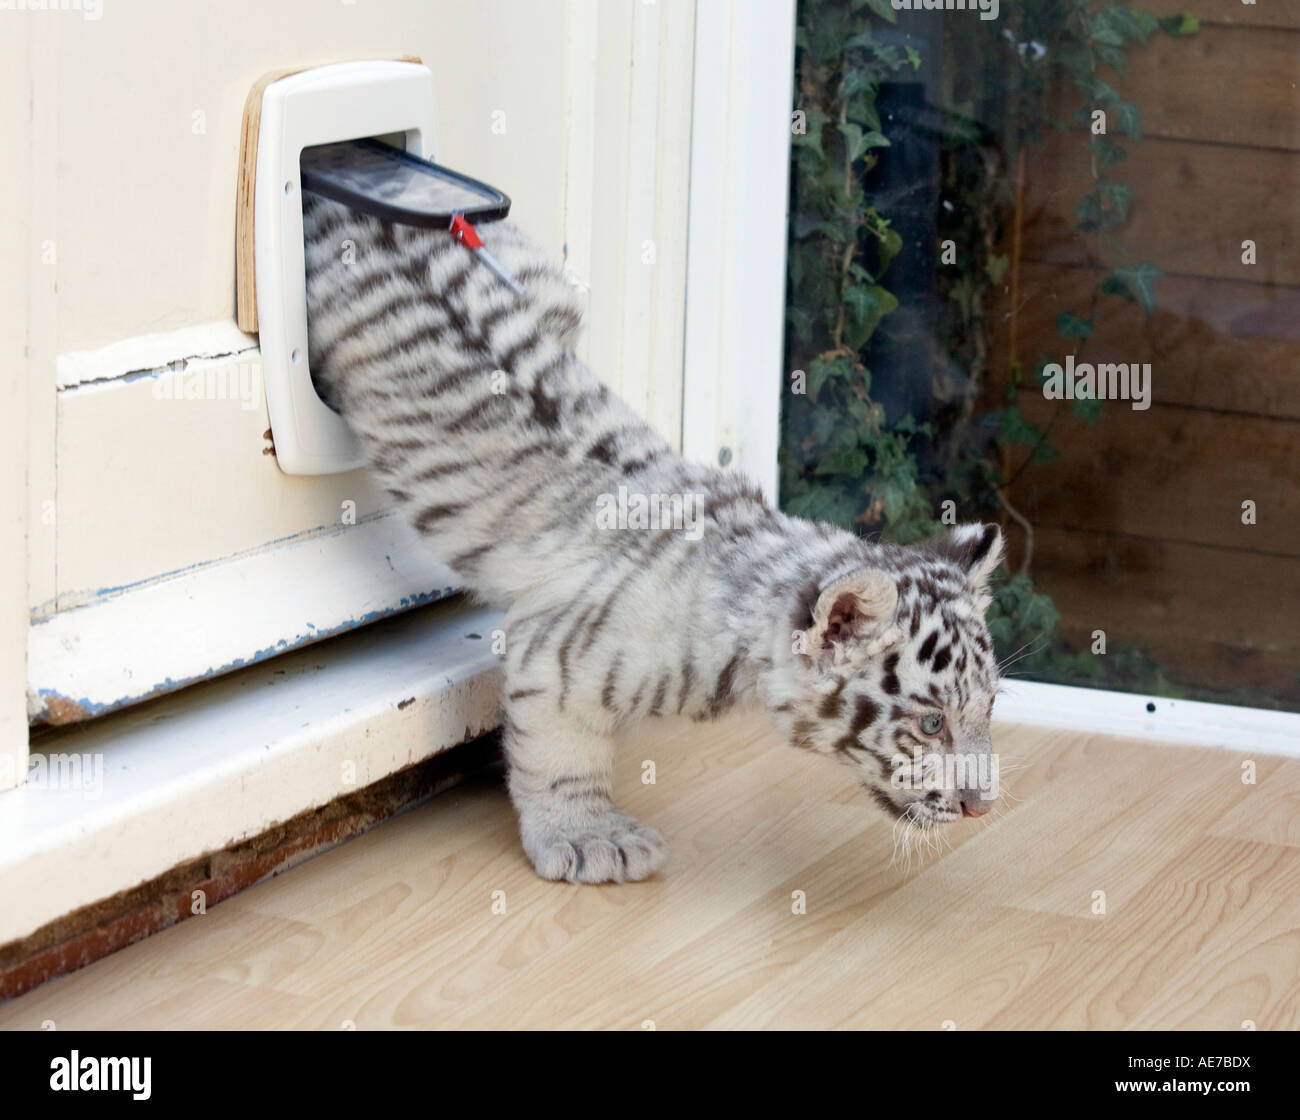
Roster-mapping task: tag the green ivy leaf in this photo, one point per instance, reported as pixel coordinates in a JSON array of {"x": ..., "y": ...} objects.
[
  {"x": 1136, "y": 283},
  {"x": 852, "y": 134},
  {"x": 1088, "y": 410},
  {"x": 808, "y": 161},
  {"x": 822, "y": 370},
  {"x": 800, "y": 322},
  {"x": 886, "y": 299},
  {"x": 1144, "y": 20},
  {"x": 1114, "y": 57},
  {"x": 997, "y": 268},
  {"x": 1104, "y": 93},
  {"x": 858, "y": 407},
  {"x": 1072, "y": 326},
  {"x": 1078, "y": 65},
  {"x": 1105, "y": 29},
  {"x": 1089, "y": 212},
  {"x": 1045, "y": 452},
  {"x": 825, "y": 421},
  {"x": 860, "y": 142},
  {"x": 824, "y": 42},
  {"x": 866, "y": 40},
  {"x": 1014, "y": 428},
  {"x": 1108, "y": 153},
  {"x": 860, "y": 299},
  {"x": 863, "y": 108},
  {"x": 891, "y": 244},
  {"x": 1117, "y": 197},
  {"x": 851, "y": 462},
  {"x": 859, "y": 79},
  {"x": 1127, "y": 119},
  {"x": 835, "y": 231},
  {"x": 867, "y": 305},
  {"x": 870, "y": 42},
  {"x": 908, "y": 425},
  {"x": 882, "y": 8},
  {"x": 1184, "y": 23},
  {"x": 1132, "y": 24}
]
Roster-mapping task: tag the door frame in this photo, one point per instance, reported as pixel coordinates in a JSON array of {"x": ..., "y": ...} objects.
[{"x": 735, "y": 269}]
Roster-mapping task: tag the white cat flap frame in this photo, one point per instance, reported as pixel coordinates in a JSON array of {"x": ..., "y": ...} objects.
[{"x": 344, "y": 101}]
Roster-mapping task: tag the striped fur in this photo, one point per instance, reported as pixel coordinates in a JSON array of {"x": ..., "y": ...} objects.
[{"x": 500, "y": 446}]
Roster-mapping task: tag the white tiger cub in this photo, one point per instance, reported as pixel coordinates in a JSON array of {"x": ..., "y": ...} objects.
[{"x": 504, "y": 451}]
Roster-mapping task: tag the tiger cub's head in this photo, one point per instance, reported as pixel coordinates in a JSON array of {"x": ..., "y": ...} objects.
[{"x": 896, "y": 675}]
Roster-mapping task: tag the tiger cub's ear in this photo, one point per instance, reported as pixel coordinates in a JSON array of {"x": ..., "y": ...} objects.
[
  {"x": 853, "y": 618},
  {"x": 976, "y": 549}
]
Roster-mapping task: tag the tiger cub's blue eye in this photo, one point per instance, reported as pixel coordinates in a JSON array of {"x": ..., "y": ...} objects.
[{"x": 932, "y": 724}]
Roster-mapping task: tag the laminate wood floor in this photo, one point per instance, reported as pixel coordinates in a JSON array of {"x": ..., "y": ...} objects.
[{"x": 434, "y": 919}]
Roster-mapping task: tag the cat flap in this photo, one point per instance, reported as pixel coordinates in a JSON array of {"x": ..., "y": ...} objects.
[{"x": 395, "y": 186}]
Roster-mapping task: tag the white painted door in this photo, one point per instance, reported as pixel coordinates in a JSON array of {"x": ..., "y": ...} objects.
[{"x": 162, "y": 543}]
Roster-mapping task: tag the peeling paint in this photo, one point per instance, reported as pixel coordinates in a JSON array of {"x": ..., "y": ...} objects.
[
  {"x": 57, "y": 710},
  {"x": 137, "y": 642},
  {"x": 153, "y": 355},
  {"x": 179, "y": 366},
  {"x": 61, "y": 710}
]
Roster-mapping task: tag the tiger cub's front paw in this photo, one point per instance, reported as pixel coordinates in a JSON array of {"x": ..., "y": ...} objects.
[{"x": 611, "y": 848}]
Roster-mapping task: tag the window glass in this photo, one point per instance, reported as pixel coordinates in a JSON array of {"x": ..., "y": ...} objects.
[{"x": 1043, "y": 270}]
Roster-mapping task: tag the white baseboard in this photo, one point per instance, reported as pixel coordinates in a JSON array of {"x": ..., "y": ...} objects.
[{"x": 1135, "y": 716}]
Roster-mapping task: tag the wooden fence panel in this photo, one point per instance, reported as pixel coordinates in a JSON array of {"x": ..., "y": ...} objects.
[
  {"x": 1195, "y": 205},
  {"x": 1169, "y": 473},
  {"x": 1213, "y": 344}
]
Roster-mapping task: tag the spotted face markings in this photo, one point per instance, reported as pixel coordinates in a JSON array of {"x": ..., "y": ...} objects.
[
  {"x": 890, "y": 680},
  {"x": 865, "y": 713},
  {"x": 833, "y": 703}
]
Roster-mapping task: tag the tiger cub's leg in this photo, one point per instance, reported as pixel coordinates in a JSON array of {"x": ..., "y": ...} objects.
[{"x": 561, "y": 782}]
